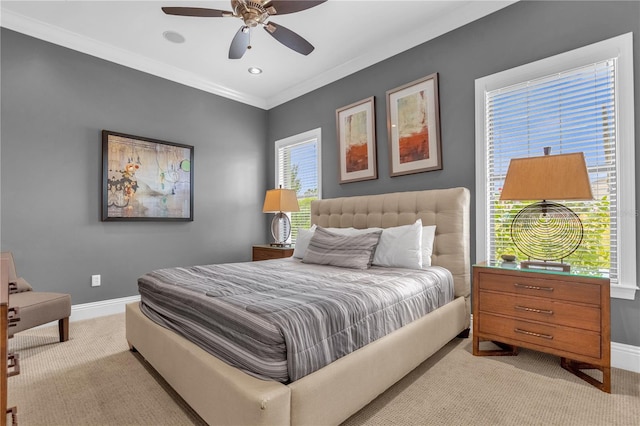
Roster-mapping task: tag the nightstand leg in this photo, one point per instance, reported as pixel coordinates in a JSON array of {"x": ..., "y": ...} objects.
[
  {"x": 505, "y": 349},
  {"x": 576, "y": 368}
]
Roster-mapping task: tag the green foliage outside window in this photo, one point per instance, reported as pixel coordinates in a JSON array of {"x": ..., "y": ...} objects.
[
  {"x": 301, "y": 219},
  {"x": 594, "y": 251}
]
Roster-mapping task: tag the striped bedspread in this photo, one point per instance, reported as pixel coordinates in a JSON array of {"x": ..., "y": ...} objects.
[{"x": 283, "y": 319}]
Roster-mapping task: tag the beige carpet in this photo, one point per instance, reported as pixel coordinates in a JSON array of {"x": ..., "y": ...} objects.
[{"x": 93, "y": 379}]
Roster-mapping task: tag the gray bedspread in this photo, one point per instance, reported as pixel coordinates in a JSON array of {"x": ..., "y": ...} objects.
[{"x": 283, "y": 319}]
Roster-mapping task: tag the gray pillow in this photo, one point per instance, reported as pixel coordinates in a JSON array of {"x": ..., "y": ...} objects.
[{"x": 346, "y": 251}]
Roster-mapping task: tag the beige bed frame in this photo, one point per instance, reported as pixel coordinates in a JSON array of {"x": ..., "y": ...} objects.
[{"x": 223, "y": 395}]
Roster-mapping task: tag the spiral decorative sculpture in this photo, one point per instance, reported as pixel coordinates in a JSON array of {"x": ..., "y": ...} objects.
[{"x": 547, "y": 231}]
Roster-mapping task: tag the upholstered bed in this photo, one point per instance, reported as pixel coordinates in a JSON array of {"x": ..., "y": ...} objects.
[{"x": 222, "y": 394}]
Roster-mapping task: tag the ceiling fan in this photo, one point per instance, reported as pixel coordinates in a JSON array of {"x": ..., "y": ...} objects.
[{"x": 254, "y": 13}]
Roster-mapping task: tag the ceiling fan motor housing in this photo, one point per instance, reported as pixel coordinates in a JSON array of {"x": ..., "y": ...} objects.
[{"x": 252, "y": 13}]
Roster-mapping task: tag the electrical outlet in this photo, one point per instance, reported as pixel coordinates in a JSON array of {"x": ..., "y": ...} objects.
[{"x": 95, "y": 280}]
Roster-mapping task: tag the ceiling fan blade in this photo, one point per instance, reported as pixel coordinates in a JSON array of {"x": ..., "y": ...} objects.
[
  {"x": 239, "y": 43},
  {"x": 290, "y": 6},
  {"x": 196, "y": 11},
  {"x": 289, "y": 38}
]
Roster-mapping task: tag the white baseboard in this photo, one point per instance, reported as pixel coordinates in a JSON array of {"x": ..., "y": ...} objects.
[
  {"x": 100, "y": 309},
  {"x": 626, "y": 357},
  {"x": 623, "y": 356}
]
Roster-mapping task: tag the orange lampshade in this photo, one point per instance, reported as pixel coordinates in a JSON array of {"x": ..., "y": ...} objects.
[
  {"x": 280, "y": 200},
  {"x": 549, "y": 177}
]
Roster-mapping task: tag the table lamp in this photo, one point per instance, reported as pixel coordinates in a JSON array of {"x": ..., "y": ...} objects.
[
  {"x": 547, "y": 231},
  {"x": 279, "y": 201}
]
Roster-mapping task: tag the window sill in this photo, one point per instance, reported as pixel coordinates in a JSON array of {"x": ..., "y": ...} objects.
[{"x": 623, "y": 292}]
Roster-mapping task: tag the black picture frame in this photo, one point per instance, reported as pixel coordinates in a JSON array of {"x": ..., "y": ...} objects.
[{"x": 146, "y": 179}]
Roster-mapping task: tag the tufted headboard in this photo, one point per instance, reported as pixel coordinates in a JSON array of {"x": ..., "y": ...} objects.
[{"x": 448, "y": 209}]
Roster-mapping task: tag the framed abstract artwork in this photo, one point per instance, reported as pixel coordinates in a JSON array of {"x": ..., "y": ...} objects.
[
  {"x": 413, "y": 122},
  {"x": 357, "y": 141},
  {"x": 145, "y": 179}
]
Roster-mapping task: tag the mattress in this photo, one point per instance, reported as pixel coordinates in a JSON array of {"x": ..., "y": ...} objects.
[{"x": 283, "y": 319}]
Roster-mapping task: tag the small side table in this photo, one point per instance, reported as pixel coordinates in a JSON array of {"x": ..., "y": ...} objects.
[
  {"x": 566, "y": 314},
  {"x": 266, "y": 252}
]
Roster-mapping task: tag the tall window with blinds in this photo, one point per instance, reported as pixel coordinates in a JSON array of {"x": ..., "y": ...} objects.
[
  {"x": 298, "y": 168},
  {"x": 573, "y": 111}
]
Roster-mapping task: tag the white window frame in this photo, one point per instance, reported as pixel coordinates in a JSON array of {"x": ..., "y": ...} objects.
[
  {"x": 298, "y": 139},
  {"x": 620, "y": 47}
]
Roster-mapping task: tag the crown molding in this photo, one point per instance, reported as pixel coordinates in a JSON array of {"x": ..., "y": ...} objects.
[
  {"x": 466, "y": 12},
  {"x": 89, "y": 46}
]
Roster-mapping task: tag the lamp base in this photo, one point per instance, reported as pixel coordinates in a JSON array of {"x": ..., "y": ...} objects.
[
  {"x": 550, "y": 266},
  {"x": 279, "y": 245},
  {"x": 280, "y": 228}
]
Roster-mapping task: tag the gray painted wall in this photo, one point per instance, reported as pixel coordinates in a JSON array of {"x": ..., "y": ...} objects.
[
  {"x": 516, "y": 35},
  {"x": 55, "y": 102}
]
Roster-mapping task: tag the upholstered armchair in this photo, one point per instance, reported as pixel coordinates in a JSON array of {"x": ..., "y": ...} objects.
[{"x": 34, "y": 307}]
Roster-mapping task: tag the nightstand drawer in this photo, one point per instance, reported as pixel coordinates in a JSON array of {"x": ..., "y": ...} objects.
[
  {"x": 541, "y": 287},
  {"x": 540, "y": 309},
  {"x": 566, "y": 339}
]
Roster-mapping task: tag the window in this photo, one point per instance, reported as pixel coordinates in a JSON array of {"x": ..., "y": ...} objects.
[
  {"x": 298, "y": 167},
  {"x": 579, "y": 101}
]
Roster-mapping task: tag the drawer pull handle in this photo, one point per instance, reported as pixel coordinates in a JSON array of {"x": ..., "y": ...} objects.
[
  {"x": 532, "y": 287},
  {"x": 535, "y": 310},
  {"x": 13, "y": 365},
  {"x": 13, "y": 316},
  {"x": 531, "y": 333},
  {"x": 14, "y": 415}
]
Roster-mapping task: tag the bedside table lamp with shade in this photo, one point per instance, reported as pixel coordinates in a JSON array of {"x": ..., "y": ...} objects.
[
  {"x": 547, "y": 231},
  {"x": 279, "y": 201}
]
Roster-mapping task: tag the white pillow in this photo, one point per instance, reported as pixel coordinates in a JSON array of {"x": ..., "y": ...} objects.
[
  {"x": 400, "y": 247},
  {"x": 342, "y": 231},
  {"x": 407, "y": 246},
  {"x": 428, "y": 236},
  {"x": 353, "y": 231},
  {"x": 302, "y": 241}
]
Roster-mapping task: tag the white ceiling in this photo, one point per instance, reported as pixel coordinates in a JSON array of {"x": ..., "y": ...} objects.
[{"x": 348, "y": 36}]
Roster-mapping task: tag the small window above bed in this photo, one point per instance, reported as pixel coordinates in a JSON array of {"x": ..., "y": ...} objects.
[{"x": 297, "y": 165}]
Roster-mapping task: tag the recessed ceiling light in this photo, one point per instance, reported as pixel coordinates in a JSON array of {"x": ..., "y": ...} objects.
[
  {"x": 173, "y": 37},
  {"x": 254, "y": 70}
]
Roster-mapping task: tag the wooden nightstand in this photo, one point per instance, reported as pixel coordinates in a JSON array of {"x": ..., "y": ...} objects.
[
  {"x": 564, "y": 314},
  {"x": 266, "y": 252}
]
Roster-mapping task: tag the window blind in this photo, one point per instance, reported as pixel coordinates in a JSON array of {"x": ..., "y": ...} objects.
[
  {"x": 297, "y": 169},
  {"x": 572, "y": 111}
]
